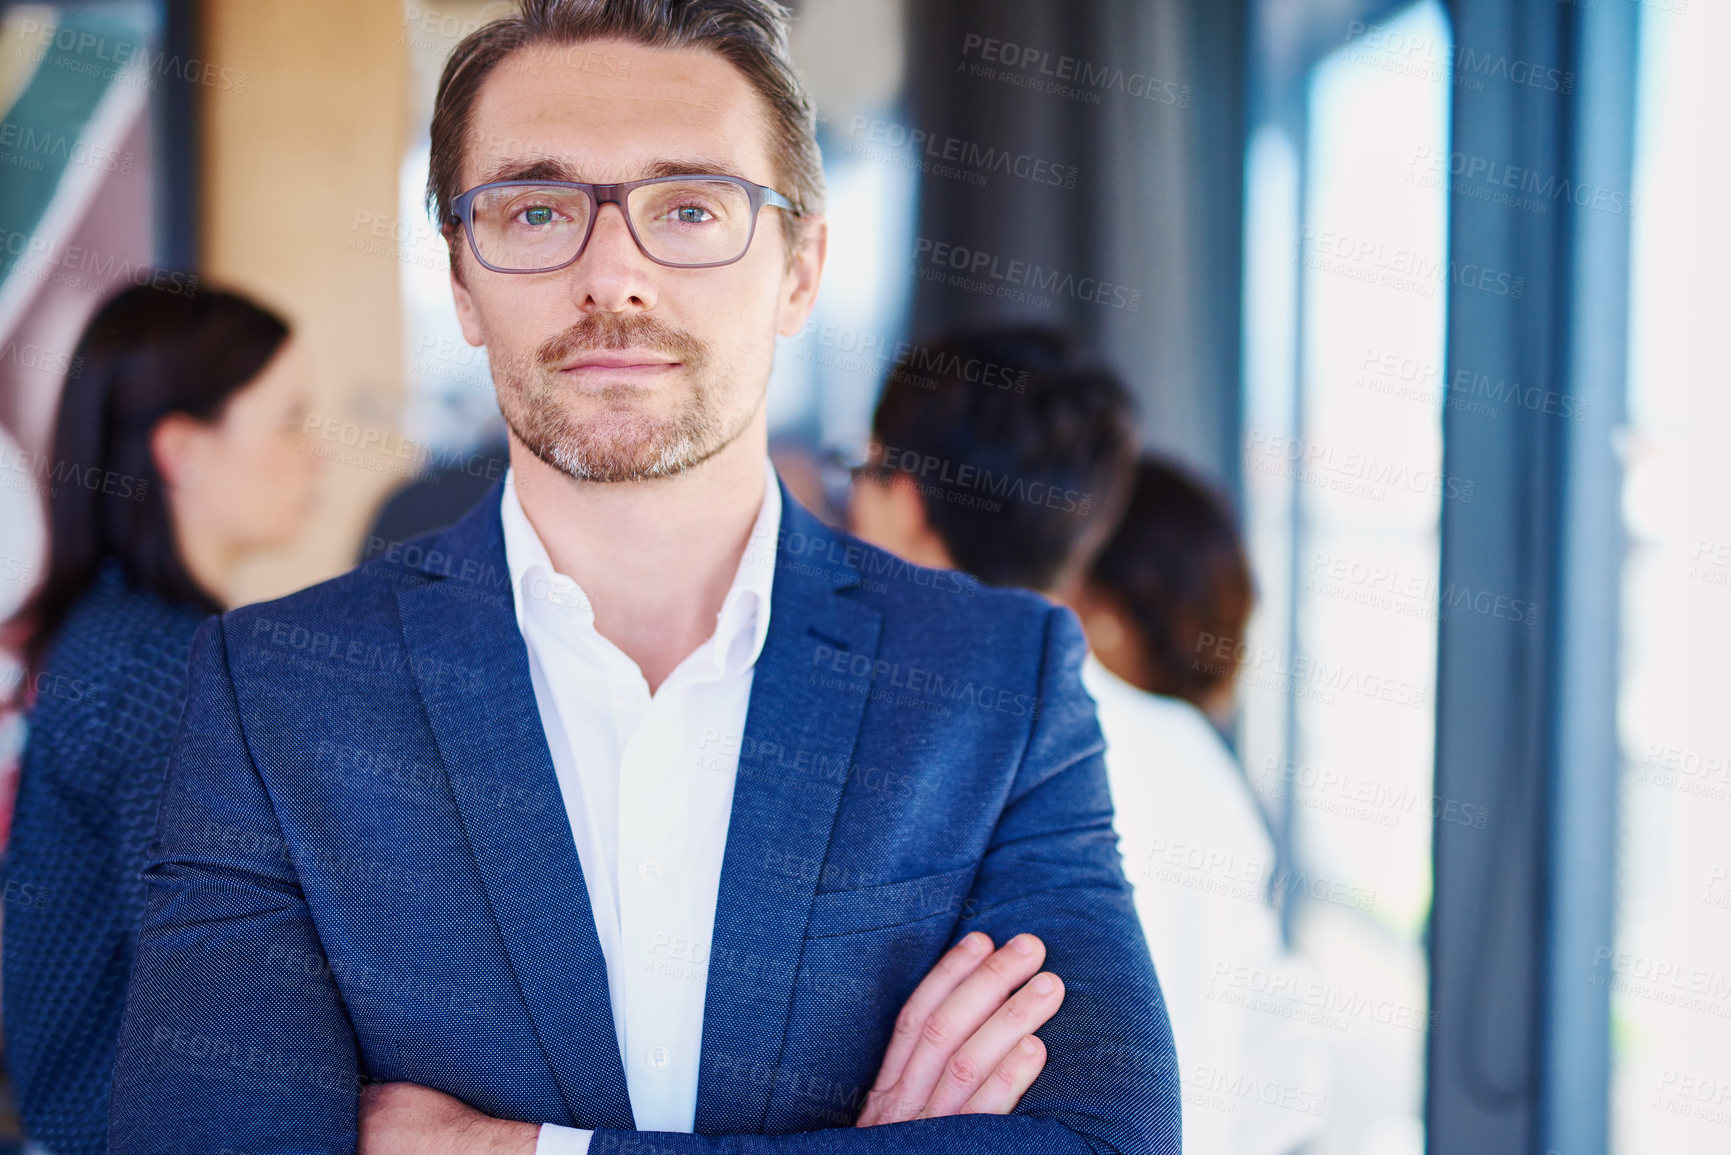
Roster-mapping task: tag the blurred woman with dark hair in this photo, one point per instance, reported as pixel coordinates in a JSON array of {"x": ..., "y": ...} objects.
[
  {"x": 1165, "y": 607},
  {"x": 177, "y": 451},
  {"x": 1172, "y": 592}
]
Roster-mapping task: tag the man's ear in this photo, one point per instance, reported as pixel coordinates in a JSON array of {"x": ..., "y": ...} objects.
[
  {"x": 468, "y": 316},
  {"x": 891, "y": 514},
  {"x": 804, "y": 273}
]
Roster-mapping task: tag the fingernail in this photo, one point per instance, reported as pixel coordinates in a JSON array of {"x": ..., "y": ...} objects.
[
  {"x": 1043, "y": 984},
  {"x": 1026, "y": 1045},
  {"x": 1024, "y": 944},
  {"x": 977, "y": 943}
]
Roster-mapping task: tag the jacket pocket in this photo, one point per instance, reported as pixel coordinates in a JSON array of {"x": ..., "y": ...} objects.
[{"x": 890, "y": 903}]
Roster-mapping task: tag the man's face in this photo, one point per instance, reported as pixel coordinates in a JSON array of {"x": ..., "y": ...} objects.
[{"x": 617, "y": 368}]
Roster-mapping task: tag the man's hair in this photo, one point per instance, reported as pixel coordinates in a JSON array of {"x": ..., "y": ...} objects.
[
  {"x": 1021, "y": 451},
  {"x": 752, "y": 34},
  {"x": 1177, "y": 565}
]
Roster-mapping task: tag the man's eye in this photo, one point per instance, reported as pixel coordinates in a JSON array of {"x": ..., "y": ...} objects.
[
  {"x": 692, "y": 215},
  {"x": 540, "y": 215}
]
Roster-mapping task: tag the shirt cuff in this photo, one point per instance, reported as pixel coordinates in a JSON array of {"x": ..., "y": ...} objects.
[{"x": 557, "y": 1140}]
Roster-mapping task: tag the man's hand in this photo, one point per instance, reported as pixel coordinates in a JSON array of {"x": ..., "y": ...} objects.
[
  {"x": 408, "y": 1119},
  {"x": 964, "y": 1042}
]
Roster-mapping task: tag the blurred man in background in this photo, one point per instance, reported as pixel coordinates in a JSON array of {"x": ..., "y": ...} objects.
[
  {"x": 1001, "y": 453},
  {"x": 1004, "y": 454}
]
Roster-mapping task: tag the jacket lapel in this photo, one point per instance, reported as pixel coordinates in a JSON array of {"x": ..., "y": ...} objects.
[
  {"x": 781, "y": 819},
  {"x": 472, "y": 670}
]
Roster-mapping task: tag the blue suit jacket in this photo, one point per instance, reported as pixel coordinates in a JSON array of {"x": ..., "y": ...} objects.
[{"x": 363, "y": 869}]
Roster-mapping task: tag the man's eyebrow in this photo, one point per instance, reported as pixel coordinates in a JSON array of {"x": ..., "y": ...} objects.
[
  {"x": 529, "y": 168},
  {"x": 552, "y": 168}
]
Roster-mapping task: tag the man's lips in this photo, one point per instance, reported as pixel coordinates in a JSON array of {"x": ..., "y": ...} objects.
[{"x": 639, "y": 359}]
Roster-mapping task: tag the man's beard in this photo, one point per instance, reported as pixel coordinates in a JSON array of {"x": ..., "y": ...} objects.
[{"x": 620, "y": 443}]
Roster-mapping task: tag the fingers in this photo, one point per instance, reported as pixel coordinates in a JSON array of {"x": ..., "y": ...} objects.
[
  {"x": 958, "y": 963},
  {"x": 955, "y": 1019},
  {"x": 995, "y": 1043},
  {"x": 1000, "y": 1093}
]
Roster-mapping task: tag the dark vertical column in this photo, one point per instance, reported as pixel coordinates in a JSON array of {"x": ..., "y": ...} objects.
[
  {"x": 175, "y": 120},
  {"x": 1537, "y": 314}
]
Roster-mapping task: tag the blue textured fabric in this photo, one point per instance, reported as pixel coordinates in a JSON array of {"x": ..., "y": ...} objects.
[
  {"x": 363, "y": 869},
  {"x": 112, "y": 689}
]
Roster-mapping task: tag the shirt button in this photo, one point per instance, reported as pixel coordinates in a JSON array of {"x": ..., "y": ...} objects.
[
  {"x": 658, "y": 1058},
  {"x": 649, "y": 869}
]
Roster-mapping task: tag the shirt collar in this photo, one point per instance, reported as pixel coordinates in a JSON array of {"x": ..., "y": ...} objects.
[{"x": 743, "y": 621}]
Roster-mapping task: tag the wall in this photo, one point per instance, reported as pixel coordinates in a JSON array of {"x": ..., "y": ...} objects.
[{"x": 305, "y": 144}]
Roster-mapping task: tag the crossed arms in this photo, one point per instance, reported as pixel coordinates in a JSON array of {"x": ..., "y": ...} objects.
[{"x": 287, "y": 1076}]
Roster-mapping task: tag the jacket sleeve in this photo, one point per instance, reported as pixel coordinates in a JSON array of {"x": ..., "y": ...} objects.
[
  {"x": 1052, "y": 868},
  {"x": 234, "y": 1035}
]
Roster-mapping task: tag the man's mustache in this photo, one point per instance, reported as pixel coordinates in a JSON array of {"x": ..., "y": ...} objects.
[{"x": 622, "y": 331}]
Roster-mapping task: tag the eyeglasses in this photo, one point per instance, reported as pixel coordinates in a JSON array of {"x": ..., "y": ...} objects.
[{"x": 686, "y": 222}]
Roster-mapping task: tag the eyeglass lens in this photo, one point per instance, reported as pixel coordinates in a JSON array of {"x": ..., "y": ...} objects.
[{"x": 685, "y": 222}]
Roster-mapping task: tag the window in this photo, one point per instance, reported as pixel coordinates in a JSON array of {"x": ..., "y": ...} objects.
[
  {"x": 1345, "y": 320},
  {"x": 1670, "y": 975}
]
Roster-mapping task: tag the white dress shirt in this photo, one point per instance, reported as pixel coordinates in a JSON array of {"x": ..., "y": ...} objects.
[
  {"x": 1254, "y": 1079},
  {"x": 647, "y": 782}
]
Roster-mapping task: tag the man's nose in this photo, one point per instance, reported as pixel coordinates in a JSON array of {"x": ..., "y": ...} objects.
[{"x": 613, "y": 273}]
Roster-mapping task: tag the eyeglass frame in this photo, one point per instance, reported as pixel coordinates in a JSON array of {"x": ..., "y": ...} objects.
[{"x": 463, "y": 213}]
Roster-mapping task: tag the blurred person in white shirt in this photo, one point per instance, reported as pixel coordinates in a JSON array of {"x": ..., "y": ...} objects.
[
  {"x": 1166, "y": 598},
  {"x": 1006, "y": 453}
]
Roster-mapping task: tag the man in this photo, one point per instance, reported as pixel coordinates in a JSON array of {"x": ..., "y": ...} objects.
[
  {"x": 1000, "y": 452},
  {"x": 638, "y": 800},
  {"x": 1011, "y": 460}
]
